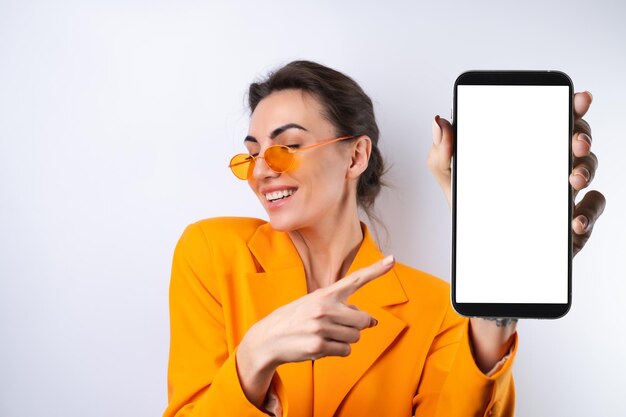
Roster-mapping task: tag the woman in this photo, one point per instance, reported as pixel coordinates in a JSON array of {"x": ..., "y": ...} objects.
[{"x": 304, "y": 316}]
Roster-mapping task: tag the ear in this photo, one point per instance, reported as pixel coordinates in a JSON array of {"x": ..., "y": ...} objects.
[{"x": 360, "y": 151}]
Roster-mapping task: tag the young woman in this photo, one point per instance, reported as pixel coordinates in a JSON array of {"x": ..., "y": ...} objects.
[{"x": 303, "y": 315}]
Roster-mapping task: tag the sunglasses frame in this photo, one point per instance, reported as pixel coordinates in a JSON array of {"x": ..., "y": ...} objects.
[{"x": 253, "y": 158}]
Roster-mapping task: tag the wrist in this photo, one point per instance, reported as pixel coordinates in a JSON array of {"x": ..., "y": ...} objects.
[
  {"x": 255, "y": 370},
  {"x": 490, "y": 340},
  {"x": 256, "y": 355}
]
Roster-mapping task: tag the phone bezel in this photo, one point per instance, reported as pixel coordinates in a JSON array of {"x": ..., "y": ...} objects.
[{"x": 529, "y": 310}]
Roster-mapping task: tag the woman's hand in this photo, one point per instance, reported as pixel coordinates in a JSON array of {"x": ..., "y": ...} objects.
[
  {"x": 491, "y": 338},
  {"x": 586, "y": 212},
  {"x": 316, "y": 325},
  {"x": 585, "y": 165}
]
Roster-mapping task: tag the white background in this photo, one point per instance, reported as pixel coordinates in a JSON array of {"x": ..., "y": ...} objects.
[
  {"x": 496, "y": 260},
  {"x": 117, "y": 120}
]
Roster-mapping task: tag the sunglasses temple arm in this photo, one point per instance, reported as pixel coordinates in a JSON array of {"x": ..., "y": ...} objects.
[{"x": 326, "y": 143}]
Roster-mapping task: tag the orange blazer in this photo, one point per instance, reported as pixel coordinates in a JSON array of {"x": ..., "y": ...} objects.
[{"x": 228, "y": 273}]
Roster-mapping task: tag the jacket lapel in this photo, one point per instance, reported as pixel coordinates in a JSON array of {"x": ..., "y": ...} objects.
[
  {"x": 283, "y": 280},
  {"x": 334, "y": 376}
]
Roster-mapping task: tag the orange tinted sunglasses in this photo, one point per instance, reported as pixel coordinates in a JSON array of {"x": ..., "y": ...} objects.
[{"x": 279, "y": 158}]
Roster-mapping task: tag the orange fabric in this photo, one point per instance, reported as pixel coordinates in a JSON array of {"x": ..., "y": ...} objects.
[{"x": 228, "y": 273}]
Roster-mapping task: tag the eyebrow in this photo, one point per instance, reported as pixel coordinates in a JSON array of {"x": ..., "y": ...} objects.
[{"x": 276, "y": 132}]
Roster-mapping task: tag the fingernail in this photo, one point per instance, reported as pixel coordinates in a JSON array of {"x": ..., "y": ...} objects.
[
  {"x": 584, "y": 172},
  {"x": 388, "y": 260},
  {"x": 583, "y": 220},
  {"x": 584, "y": 138},
  {"x": 375, "y": 322},
  {"x": 437, "y": 133}
]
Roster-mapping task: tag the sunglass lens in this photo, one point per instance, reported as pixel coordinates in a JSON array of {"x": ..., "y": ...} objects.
[
  {"x": 279, "y": 158},
  {"x": 242, "y": 166}
]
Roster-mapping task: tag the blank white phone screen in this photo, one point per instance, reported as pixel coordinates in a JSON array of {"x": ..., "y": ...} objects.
[{"x": 512, "y": 179}]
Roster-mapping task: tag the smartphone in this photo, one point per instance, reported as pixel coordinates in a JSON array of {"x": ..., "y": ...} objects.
[{"x": 511, "y": 197}]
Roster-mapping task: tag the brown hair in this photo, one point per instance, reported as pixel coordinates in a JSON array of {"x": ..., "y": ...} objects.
[{"x": 345, "y": 105}]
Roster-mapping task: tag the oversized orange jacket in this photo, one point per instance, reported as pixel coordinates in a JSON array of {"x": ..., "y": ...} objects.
[{"x": 229, "y": 273}]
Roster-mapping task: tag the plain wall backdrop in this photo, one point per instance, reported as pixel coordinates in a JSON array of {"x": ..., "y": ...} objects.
[{"x": 117, "y": 121}]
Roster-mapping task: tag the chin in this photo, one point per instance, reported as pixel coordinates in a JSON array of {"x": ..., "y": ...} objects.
[
  {"x": 285, "y": 219},
  {"x": 281, "y": 224}
]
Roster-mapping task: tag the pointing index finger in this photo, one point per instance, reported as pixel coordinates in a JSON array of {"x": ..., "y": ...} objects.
[{"x": 347, "y": 286}]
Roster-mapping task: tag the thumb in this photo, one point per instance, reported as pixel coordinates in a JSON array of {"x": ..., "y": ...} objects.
[
  {"x": 582, "y": 101},
  {"x": 440, "y": 155}
]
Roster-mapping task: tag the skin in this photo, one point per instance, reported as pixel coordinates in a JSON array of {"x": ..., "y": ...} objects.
[{"x": 321, "y": 218}]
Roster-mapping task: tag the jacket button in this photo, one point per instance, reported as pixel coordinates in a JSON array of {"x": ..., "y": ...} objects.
[{"x": 493, "y": 409}]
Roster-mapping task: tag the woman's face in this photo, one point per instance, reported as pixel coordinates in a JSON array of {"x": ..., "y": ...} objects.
[{"x": 319, "y": 184}]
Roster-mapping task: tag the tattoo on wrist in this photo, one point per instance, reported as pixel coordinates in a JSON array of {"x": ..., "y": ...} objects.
[{"x": 501, "y": 322}]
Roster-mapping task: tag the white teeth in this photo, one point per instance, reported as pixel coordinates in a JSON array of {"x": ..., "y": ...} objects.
[{"x": 278, "y": 194}]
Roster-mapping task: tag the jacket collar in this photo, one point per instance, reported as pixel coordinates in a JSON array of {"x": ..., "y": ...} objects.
[
  {"x": 283, "y": 280},
  {"x": 275, "y": 252}
]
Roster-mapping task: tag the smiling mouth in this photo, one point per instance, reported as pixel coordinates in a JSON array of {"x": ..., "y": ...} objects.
[{"x": 279, "y": 195}]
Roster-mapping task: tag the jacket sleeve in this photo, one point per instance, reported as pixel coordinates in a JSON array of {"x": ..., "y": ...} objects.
[
  {"x": 452, "y": 384},
  {"x": 202, "y": 373}
]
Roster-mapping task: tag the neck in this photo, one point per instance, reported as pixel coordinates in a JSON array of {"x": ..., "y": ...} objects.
[{"x": 328, "y": 249}]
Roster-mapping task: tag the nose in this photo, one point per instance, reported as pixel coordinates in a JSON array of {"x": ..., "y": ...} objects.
[{"x": 262, "y": 170}]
